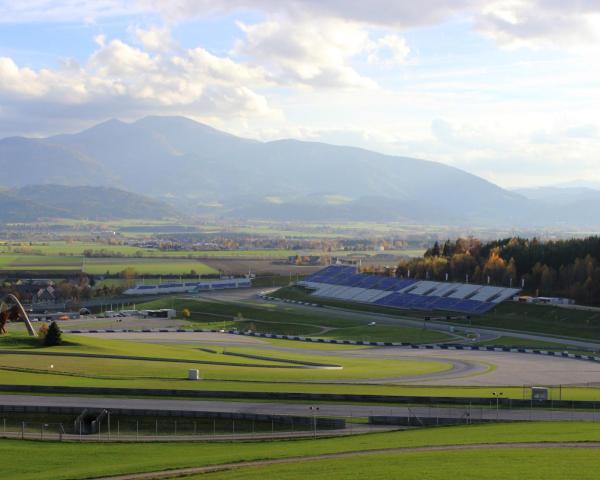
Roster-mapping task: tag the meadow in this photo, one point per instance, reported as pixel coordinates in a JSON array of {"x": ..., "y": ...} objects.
[
  {"x": 101, "y": 459},
  {"x": 147, "y": 370},
  {"x": 287, "y": 319},
  {"x": 483, "y": 464}
]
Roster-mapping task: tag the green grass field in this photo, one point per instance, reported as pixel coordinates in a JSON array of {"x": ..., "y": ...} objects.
[
  {"x": 483, "y": 464},
  {"x": 146, "y": 266},
  {"x": 28, "y": 460},
  {"x": 23, "y": 369},
  {"x": 545, "y": 319},
  {"x": 542, "y": 319},
  {"x": 99, "y": 266},
  {"x": 80, "y": 371},
  {"x": 291, "y": 320}
]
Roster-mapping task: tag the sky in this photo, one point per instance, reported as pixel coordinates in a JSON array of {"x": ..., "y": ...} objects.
[{"x": 505, "y": 89}]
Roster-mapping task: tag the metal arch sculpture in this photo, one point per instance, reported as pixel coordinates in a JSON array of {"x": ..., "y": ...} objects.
[{"x": 11, "y": 310}]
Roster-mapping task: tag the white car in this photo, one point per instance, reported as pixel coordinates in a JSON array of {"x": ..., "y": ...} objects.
[{"x": 372, "y": 324}]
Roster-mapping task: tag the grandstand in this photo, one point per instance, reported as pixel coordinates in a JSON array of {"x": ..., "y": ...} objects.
[
  {"x": 344, "y": 283},
  {"x": 189, "y": 287}
]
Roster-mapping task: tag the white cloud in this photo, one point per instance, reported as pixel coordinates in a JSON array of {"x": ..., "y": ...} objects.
[
  {"x": 154, "y": 39},
  {"x": 390, "y": 50},
  {"x": 88, "y": 11},
  {"x": 514, "y": 23},
  {"x": 315, "y": 53},
  {"x": 537, "y": 23},
  {"x": 120, "y": 79},
  {"x": 393, "y": 13}
]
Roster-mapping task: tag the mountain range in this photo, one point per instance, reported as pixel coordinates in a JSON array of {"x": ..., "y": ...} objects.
[
  {"x": 202, "y": 171},
  {"x": 36, "y": 202}
]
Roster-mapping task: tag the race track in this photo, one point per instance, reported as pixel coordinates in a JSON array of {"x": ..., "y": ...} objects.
[{"x": 476, "y": 368}]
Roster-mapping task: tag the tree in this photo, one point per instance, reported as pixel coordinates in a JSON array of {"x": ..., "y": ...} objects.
[
  {"x": 185, "y": 313},
  {"x": 129, "y": 274},
  {"x": 43, "y": 331},
  {"x": 53, "y": 337}
]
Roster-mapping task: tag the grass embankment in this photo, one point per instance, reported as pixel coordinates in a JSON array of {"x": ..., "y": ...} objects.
[
  {"x": 510, "y": 316},
  {"x": 544, "y": 319},
  {"x": 61, "y": 461},
  {"x": 291, "y": 320}
]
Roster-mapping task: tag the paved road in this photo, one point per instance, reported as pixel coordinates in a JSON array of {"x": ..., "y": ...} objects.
[{"x": 279, "y": 408}]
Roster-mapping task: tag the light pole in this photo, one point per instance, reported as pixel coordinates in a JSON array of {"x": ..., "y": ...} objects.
[
  {"x": 314, "y": 411},
  {"x": 497, "y": 395}
]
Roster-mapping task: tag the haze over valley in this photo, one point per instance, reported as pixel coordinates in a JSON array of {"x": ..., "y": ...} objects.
[{"x": 204, "y": 172}]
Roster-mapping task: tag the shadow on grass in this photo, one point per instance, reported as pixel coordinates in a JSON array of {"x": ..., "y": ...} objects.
[{"x": 12, "y": 340}]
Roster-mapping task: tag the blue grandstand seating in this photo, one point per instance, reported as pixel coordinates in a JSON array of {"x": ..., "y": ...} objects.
[
  {"x": 369, "y": 281},
  {"x": 389, "y": 291}
]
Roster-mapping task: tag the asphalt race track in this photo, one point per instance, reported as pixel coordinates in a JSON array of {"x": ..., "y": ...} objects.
[{"x": 476, "y": 368}]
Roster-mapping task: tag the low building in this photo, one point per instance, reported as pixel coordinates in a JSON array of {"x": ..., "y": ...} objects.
[{"x": 162, "y": 313}]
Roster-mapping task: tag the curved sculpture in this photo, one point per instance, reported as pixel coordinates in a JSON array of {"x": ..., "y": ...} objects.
[{"x": 11, "y": 310}]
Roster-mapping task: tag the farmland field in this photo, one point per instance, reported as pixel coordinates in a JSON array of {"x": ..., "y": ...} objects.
[
  {"x": 99, "y": 266},
  {"x": 78, "y": 248}
]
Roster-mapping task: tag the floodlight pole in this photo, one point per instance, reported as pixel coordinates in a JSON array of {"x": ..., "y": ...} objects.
[
  {"x": 497, "y": 395},
  {"x": 314, "y": 412}
]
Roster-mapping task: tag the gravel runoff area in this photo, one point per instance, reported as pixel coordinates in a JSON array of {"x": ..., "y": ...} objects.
[{"x": 476, "y": 368}]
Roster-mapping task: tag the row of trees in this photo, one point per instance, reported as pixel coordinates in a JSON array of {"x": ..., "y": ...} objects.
[{"x": 567, "y": 268}]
